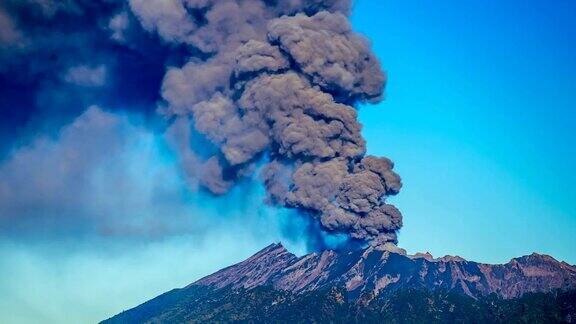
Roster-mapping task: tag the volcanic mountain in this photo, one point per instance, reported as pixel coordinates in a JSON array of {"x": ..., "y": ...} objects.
[{"x": 334, "y": 285}]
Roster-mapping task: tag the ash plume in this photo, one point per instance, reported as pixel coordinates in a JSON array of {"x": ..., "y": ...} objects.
[{"x": 277, "y": 81}]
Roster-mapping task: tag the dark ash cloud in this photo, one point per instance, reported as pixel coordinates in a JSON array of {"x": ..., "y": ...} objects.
[
  {"x": 278, "y": 81},
  {"x": 245, "y": 89}
]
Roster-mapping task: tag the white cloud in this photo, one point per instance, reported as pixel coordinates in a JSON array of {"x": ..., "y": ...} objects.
[
  {"x": 9, "y": 34},
  {"x": 86, "y": 76},
  {"x": 118, "y": 26}
]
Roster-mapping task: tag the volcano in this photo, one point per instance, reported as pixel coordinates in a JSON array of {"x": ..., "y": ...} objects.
[{"x": 366, "y": 285}]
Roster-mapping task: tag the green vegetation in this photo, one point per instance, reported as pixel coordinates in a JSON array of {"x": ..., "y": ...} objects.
[{"x": 264, "y": 304}]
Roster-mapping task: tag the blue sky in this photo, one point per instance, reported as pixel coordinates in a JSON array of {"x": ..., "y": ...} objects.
[{"x": 479, "y": 118}]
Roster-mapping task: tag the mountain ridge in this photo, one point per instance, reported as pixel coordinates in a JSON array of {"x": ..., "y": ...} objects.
[
  {"x": 274, "y": 282},
  {"x": 377, "y": 271}
]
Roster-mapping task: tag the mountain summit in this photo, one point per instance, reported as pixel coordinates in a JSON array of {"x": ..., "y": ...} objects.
[
  {"x": 356, "y": 277},
  {"x": 372, "y": 271}
]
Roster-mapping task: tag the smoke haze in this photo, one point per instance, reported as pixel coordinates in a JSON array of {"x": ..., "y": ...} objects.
[{"x": 246, "y": 91}]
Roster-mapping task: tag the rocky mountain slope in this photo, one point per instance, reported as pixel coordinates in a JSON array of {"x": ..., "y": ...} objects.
[
  {"x": 275, "y": 283},
  {"x": 378, "y": 272}
]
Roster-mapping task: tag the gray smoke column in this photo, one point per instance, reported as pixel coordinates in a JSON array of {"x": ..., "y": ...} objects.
[{"x": 277, "y": 81}]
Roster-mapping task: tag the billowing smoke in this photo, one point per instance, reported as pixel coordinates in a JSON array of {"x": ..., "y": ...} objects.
[
  {"x": 277, "y": 81},
  {"x": 249, "y": 89}
]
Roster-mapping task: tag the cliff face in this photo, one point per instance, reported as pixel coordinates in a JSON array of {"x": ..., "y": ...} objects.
[{"x": 378, "y": 272}]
